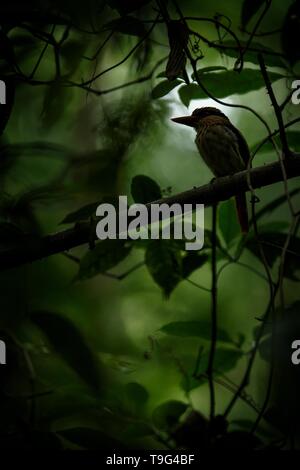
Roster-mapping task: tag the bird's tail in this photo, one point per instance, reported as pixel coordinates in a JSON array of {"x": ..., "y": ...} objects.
[{"x": 242, "y": 211}]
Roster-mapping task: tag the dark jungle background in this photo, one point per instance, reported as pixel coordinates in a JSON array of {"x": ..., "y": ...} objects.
[{"x": 108, "y": 345}]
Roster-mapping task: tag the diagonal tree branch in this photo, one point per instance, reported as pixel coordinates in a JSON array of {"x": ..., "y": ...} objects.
[
  {"x": 276, "y": 106},
  {"x": 219, "y": 190}
]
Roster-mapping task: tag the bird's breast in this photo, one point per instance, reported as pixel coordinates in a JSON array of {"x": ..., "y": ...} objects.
[{"x": 219, "y": 148}]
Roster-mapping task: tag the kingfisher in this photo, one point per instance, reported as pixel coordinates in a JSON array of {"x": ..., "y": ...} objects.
[{"x": 222, "y": 147}]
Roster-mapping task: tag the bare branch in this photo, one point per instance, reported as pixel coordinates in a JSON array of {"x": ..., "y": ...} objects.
[{"x": 219, "y": 190}]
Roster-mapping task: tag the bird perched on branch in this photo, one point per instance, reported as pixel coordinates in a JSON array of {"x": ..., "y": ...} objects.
[{"x": 222, "y": 147}]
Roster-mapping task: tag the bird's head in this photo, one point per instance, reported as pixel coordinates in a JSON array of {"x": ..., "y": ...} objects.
[{"x": 197, "y": 115}]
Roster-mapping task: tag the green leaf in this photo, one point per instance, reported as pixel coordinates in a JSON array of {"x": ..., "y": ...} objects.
[
  {"x": 127, "y": 25},
  {"x": 7, "y": 107},
  {"x": 225, "y": 360},
  {"x": 167, "y": 415},
  {"x": 57, "y": 98},
  {"x": 83, "y": 213},
  {"x": 163, "y": 261},
  {"x": 264, "y": 349},
  {"x": 286, "y": 330},
  {"x": 72, "y": 52},
  {"x": 223, "y": 84},
  {"x": 199, "y": 329},
  {"x": 249, "y": 8},
  {"x": 228, "y": 221},
  {"x": 69, "y": 343},
  {"x": 293, "y": 138},
  {"x": 136, "y": 397},
  {"x": 106, "y": 254},
  {"x": 276, "y": 226},
  {"x": 164, "y": 87},
  {"x": 273, "y": 243},
  {"x": 275, "y": 204},
  {"x": 213, "y": 68},
  {"x": 145, "y": 189},
  {"x": 91, "y": 439},
  {"x": 191, "y": 262},
  {"x": 290, "y": 34},
  {"x": 270, "y": 57},
  {"x": 88, "y": 210}
]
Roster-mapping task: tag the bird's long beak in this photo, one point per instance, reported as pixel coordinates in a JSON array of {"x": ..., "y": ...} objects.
[{"x": 186, "y": 120}]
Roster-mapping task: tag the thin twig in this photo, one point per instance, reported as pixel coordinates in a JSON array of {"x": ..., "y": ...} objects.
[
  {"x": 277, "y": 110},
  {"x": 213, "y": 341}
]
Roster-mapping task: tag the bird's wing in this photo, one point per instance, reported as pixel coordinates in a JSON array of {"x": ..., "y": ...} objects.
[{"x": 243, "y": 146}]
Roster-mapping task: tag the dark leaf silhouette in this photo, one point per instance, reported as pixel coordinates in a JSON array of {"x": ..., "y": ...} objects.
[
  {"x": 222, "y": 84},
  {"x": 145, "y": 189},
  {"x": 249, "y": 8},
  {"x": 290, "y": 34},
  {"x": 167, "y": 415},
  {"x": 83, "y": 213},
  {"x": 273, "y": 244},
  {"x": 275, "y": 204},
  {"x": 225, "y": 360},
  {"x": 136, "y": 397},
  {"x": 164, "y": 87},
  {"x": 106, "y": 254},
  {"x": 191, "y": 262},
  {"x": 127, "y": 25},
  {"x": 292, "y": 138},
  {"x": 164, "y": 264},
  {"x": 271, "y": 57},
  {"x": 69, "y": 343}
]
